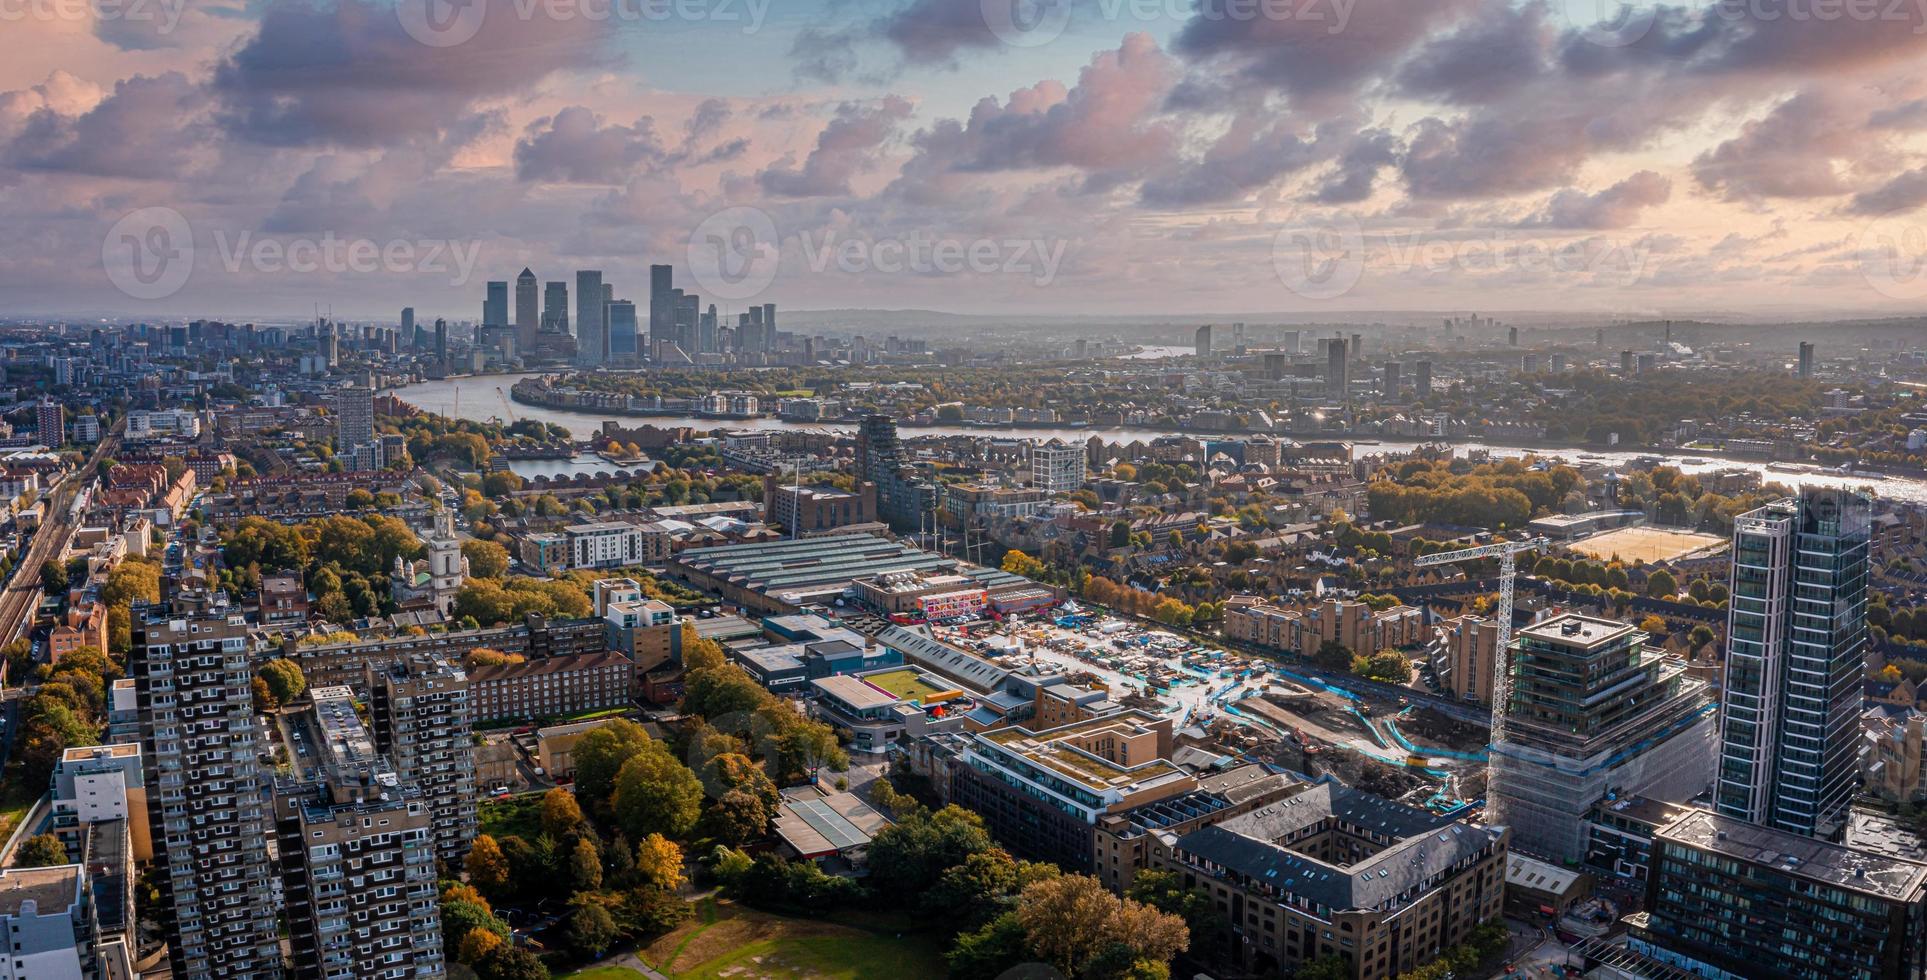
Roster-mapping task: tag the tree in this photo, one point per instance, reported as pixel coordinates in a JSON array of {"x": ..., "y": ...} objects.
[
  {"x": 1700, "y": 637},
  {"x": 591, "y": 928},
  {"x": 509, "y": 963},
  {"x": 984, "y": 886},
  {"x": 659, "y": 863},
  {"x": 53, "y": 577},
  {"x": 908, "y": 857},
  {"x": 561, "y": 816},
  {"x": 40, "y": 851},
  {"x": 1661, "y": 584},
  {"x": 1071, "y": 921},
  {"x": 1332, "y": 655},
  {"x": 1386, "y": 667},
  {"x": 737, "y": 817},
  {"x": 284, "y": 680},
  {"x": 600, "y": 753},
  {"x": 1018, "y": 563},
  {"x": 990, "y": 951},
  {"x": 487, "y": 867},
  {"x": 656, "y": 793},
  {"x": 1655, "y": 624},
  {"x": 486, "y": 559},
  {"x": 585, "y": 864},
  {"x": 1165, "y": 891},
  {"x": 1325, "y": 968},
  {"x": 475, "y": 946}
]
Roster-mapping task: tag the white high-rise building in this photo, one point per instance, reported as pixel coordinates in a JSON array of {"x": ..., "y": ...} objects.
[{"x": 1056, "y": 467}]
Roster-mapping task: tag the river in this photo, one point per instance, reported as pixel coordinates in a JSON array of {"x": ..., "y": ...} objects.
[{"x": 486, "y": 398}]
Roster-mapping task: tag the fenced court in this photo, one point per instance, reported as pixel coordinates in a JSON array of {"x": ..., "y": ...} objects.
[{"x": 1648, "y": 544}]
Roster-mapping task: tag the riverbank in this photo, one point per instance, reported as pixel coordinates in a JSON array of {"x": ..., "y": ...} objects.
[{"x": 471, "y": 398}]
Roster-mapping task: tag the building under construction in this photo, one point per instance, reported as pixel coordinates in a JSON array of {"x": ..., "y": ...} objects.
[{"x": 1595, "y": 712}]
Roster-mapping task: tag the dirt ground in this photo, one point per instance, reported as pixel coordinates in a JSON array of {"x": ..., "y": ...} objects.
[{"x": 1649, "y": 544}]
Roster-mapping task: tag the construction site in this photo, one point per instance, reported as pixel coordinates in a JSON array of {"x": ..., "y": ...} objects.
[{"x": 1397, "y": 747}]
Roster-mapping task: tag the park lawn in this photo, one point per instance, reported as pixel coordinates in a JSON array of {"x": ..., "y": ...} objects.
[
  {"x": 15, "y": 797},
  {"x": 602, "y": 973},
  {"x": 726, "y": 940},
  {"x": 520, "y": 816}
]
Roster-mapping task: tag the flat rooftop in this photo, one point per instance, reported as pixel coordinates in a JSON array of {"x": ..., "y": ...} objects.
[
  {"x": 829, "y": 825},
  {"x": 124, "y": 750},
  {"x": 858, "y": 695},
  {"x": 1575, "y": 630},
  {"x": 52, "y": 890},
  {"x": 1887, "y": 878},
  {"x": 343, "y": 735},
  {"x": 1051, "y": 749}
]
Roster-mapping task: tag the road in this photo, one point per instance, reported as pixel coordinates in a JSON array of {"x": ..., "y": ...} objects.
[{"x": 23, "y": 593}]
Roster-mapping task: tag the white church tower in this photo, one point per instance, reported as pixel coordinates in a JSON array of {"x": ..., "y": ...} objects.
[{"x": 446, "y": 567}]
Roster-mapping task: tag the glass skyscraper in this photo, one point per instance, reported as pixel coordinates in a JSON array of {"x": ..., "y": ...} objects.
[{"x": 1796, "y": 648}]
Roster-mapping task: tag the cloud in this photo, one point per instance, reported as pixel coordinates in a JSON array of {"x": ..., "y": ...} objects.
[
  {"x": 574, "y": 147},
  {"x": 1484, "y": 59},
  {"x": 1795, "y": 151},
  {"x": 1351, "y": 180},
  {"x": 1903, "y": 192},
  {"x": 1106, "y": 126},
  {"x": 1250, "y": 155},
  {"x": 1321, "y": 51},
  {"x": 848, "y": 146},
  {"x": 148, "y": 127},
  {"x": 1618, "y": 206},
  {"x": 350, "y": 76}
]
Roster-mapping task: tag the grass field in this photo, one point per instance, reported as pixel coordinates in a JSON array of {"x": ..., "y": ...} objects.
[
  {"x": 602, "y": 973},
  {"x": 906, "y": 684},
  {"x": 518, "y": 815},
  {"x": 1644, "y": 544},
  {"x": 728, "y": 942}
]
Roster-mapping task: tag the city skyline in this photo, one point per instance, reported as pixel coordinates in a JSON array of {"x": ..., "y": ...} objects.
[{"x": 1112, "y": 157}]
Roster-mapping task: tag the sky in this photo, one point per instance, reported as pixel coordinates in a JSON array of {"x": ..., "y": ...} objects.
[{"x": 236, "y": 159}]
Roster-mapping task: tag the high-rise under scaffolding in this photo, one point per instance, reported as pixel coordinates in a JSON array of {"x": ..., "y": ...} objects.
[{"x": 1596, "y": 712}]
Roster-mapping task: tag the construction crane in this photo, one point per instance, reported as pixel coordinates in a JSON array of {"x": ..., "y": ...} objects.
[{"x": 1508, "y": 553}]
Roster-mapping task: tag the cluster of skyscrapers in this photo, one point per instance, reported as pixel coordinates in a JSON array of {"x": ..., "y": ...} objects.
[{"x": 605, "y": 330}]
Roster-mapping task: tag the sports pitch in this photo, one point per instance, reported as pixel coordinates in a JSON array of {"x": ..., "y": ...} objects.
[{"x": 1648, "y": 544}]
